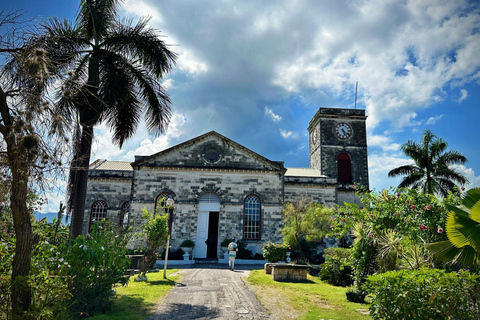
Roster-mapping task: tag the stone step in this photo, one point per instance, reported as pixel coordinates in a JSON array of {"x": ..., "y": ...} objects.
[{"x": 206, "y": 260}]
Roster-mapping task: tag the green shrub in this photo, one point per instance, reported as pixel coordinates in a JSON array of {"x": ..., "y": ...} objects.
[
  {"x": 225, "y": 242},
  {"x": 273, "y": 252},
  {"x": 96, "y": 264},
  {"x": 337, "y": 269},
  {"x": 243, "y": 252},
  {"x": 424, "y": 294},
  {"x": 187, "y": 243}
]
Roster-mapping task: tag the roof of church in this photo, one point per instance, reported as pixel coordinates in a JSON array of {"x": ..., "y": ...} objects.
[
  {"x": 303, "y": 172},
  {"x": 102, "y": 164}
]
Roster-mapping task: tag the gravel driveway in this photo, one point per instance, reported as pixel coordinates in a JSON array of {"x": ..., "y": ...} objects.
[{"x": 211, "y": 292}]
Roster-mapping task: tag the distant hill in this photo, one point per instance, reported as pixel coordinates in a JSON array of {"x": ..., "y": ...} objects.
[{"x": 48, "y": 215}]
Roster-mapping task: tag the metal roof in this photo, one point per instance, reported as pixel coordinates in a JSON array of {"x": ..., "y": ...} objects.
[
  {"x": 303, "y": 172},
  {"x": 111, "y": 165}
]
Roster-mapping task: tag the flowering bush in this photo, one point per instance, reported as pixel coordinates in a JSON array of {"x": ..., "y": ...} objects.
[
  {"x": 424, "y": 294},
  {"x": 409, "y": 212},
  {"x": 273, "y": 252}
]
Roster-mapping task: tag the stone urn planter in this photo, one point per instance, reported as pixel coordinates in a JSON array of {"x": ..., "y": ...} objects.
[{"x": 187, "y": 246}]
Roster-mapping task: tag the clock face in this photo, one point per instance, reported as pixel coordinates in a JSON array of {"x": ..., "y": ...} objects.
[
  {"x": 343, "y": 130},
  {"x": 314, "y": 136}
]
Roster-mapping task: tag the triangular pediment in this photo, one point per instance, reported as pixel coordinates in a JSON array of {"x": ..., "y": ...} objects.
[{"x": 210, "y": 150}]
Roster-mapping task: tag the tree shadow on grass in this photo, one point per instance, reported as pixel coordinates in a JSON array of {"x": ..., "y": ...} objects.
[
  {"x": 161, "y": 282},
  {"x": 181, "y": 311}
]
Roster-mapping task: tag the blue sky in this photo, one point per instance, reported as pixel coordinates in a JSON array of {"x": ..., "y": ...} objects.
[{"x": 256, "y": 72}]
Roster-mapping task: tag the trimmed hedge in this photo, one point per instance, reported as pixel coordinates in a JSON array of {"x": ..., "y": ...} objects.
[{"x": 424, "y": 294}]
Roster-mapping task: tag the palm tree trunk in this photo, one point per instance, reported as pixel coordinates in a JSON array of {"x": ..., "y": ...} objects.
[{"x": 81, "y": 163}]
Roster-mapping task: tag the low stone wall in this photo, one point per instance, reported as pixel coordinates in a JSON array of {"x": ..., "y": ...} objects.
[{"x": 289, "y": 272}]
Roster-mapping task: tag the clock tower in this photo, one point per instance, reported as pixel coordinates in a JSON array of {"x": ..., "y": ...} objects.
[{"x": 338, "y": 148}]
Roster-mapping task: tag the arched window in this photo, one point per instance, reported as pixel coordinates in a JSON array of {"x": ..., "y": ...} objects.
[
  {"x": 344, "y": 168},
  {"x": 124, "y": 212},
  {"x": 251, "y": 218},
  {"x": 162, "y": 208},
  {"x": 98, "y": 212}
]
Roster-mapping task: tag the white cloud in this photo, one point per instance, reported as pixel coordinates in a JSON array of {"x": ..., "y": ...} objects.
[
  {"x": 378, "y": 167},
  {"x": 275, "y": 117},
  {"x": 139, "y": 144},
  {"x": 463, "y": 95},
  {"x": 288, "y": 134},
  {"x": 433, "y": 120},
  {"x": 168, "y": 84},
  {"x": 148, "y": 147},
  {"x": 383, "y": 142},
  {"x": 473, "y": 180}
]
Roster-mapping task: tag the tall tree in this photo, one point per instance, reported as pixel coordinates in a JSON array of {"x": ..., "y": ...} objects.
[
  {"x": 25, "y": 116},
  {"x": 304, "y": 220},
  {"x": 115, "y": 78},
  {"x": 432, "y": 169}
]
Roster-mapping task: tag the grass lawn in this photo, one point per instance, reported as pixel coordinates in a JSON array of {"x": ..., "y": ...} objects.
[
  {"x": 313, "y": 300},
  {"x": 137, "y": 301}
]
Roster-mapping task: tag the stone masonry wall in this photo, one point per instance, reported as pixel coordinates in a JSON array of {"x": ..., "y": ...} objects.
[
  {"x": 115, "y": 191},
  {"x": 231, "y": 187}
]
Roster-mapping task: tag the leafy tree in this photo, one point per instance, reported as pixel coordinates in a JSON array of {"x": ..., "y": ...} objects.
[
  {"x": 25, "y": 116},
  {"x": 304, "y": 220},
  {"x": 432, "y": 169},
  {"x": 462, "y": 228},
  {"x": 155, "y": 230},
  {"x": 116, "y": 68}
]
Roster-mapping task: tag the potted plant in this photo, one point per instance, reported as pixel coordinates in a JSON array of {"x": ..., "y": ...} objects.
[
  {"x": 224, "y": 245},
  {"x": 187, "y": 245}
]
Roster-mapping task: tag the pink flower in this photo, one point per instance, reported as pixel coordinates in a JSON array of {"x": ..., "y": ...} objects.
[
  {"x": 413, "y": 206},
  {"x": 335, "y": 234},
  {"x": 440, "y": 230},
  {"x": 371, "y": 235},
  {"x": 371, "y": 216},
  {"x": 344, "y": 219},
  {"x": 408, "y": 201},
  {"x": 423, "y": 227},
  {"x": 395, "y": 214},
  {"x": 398, "y": 194},
  {"x": 331, "y": 226},
  {"x": 428, "y": 208}
]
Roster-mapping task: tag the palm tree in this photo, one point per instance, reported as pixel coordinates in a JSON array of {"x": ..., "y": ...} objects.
[
  {"x": 431, "y": 170},
  {"x": 115, "y": 68},
  {"x": 462, "y": 227}
]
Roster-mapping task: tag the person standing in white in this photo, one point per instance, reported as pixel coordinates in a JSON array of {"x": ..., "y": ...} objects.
[{"x": 232, "y": 254}]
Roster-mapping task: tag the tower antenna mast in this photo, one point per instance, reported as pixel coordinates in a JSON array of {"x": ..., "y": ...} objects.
[{"x": 356, "y": 89}]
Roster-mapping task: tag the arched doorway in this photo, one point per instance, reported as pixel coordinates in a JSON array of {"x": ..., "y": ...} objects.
[
  {"x": 344, "y": 168},
  {"x": 207, "y": 226}
]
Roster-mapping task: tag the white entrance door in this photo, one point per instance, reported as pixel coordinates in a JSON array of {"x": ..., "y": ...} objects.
[
  {"x": 207, "y": 202},
  {"x": 202, "y": 234}
]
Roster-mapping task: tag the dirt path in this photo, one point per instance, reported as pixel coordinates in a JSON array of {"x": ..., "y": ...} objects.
[{"x": 211, "y": 292}]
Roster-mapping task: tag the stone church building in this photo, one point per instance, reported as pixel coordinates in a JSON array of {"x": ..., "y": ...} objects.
[{"x": 222, "y": 189}]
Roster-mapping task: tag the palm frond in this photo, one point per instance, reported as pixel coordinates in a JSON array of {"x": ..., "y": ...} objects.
[
  {"x": 471, "y": 197},
  {"x": 403, "y": 170},
  {"x": 143, "y": 44},
  {"x": 413, "y": 180},
  {"x": 447, "y": 252},
  {"x": 95, "y": 16}
]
